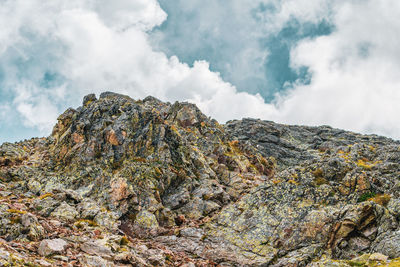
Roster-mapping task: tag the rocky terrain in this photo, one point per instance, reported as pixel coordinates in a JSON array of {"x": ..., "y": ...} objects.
[{"x": 123, "y": 182}]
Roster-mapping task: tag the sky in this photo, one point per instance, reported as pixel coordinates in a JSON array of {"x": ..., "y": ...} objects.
[{"x": 309, "y": 62}]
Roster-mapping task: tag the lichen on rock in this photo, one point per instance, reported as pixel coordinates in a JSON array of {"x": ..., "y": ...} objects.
[{"x": 143, "y": 182}]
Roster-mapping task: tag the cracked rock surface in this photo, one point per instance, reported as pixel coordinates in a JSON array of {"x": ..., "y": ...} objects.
[{"x": 124, "y": 182}]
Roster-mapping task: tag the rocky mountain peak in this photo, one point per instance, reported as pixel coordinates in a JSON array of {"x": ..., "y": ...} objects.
[{"x": 124, "y": 182}]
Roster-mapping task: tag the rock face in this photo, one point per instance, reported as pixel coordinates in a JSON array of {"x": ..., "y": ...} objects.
[{"x": 141, "y": 182}]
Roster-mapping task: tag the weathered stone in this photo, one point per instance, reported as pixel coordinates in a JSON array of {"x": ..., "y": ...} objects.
[
  {"x": 87, "y": 260},
  {"x": 4, "y": 254},
  {"x": 394, "y": 208},
  {"x": 97, "y": 247},
  {"x": 46, "y": 205},
  {"x": 89, "y": 99},
  {"x": 65, "y": 212},
  {"x": 192, "y": 232},
  {"x": 390, "y": 245},
  {"x": 43, "y": 262},
  {"x": 247, "y": 193},
  {"x": 378, "y": 257},
  {"x": 52, "y": 246},
  {"x": 108, "y": 220},
  {"x": 33, "y": 227},
  {"x": 88, "y": 209},
  {"x": 146, "y": 220}
]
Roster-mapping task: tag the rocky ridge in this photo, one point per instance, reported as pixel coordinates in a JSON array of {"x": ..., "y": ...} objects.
[{"x": 123, "y": 182}]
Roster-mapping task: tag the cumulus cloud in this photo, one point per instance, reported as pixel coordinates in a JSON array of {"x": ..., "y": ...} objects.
[
  {"x": 54, "y": 52},
  {"x": 57, "y": 51},
  {"x": 355, "y": 83}
]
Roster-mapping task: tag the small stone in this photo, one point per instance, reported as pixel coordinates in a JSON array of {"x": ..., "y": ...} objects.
[
  {"x": 88, "y": 209},
  {"x": 192, "y": 232},
  {"x": 108, "y": 220},
  {"x": 156, "y": 258},
  {"x": 43, "y": 262},
  {"x": 32, "y": 226},
  {"x": 60, "y": 258},
  {"x": 5, "y": 193},
  {"x": 55, "y": 246},
  {"x": 65, "y": 212},
  {"x": 87, "y": 260},
  {"x": 96, "y": 248},
  {"x": 378, "y": 257},
  {"x": 55, "y": 223},
  {"x": 146, "y": 220},
  {"x": 119, "y": 189},
  {"x": 123, "y": 256},
  {"x": 4, "y": 254}
]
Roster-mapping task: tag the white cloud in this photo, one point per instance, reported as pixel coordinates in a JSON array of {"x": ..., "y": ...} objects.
[
  {"x": 93, "y": 46},
  {"x": 355, "y": 82}
]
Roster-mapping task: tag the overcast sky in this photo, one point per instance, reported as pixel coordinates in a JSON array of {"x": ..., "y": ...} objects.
[{"x": 313, "y": 62}]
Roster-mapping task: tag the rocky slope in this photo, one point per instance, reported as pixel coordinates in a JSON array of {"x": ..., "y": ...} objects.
[{"x": 123, "y": 182}]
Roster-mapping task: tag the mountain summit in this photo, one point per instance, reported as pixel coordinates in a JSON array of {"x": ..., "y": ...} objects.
[{"x": 124, "y": 182}]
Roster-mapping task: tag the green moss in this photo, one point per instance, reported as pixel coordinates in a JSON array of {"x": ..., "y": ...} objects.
[{"x": 366, "y": 196}]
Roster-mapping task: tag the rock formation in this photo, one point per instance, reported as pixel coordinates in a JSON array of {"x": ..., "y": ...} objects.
[{"x": 123, "y": 182}]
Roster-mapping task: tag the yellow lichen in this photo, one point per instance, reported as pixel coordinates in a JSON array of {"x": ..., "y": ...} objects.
[
  {"x": 138, "y": 159},
  {"x": 364, "y": 164},
  {"x": 16, "y": 211},
  {"x": 81, "y": 222},
  {"x": 382, "y": 200},
  {"x": 45, "y": 196},
  {"x": 175, "y": 130}
]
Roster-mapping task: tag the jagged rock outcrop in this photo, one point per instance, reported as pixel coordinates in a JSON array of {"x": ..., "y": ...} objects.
[{"x": 124, "y": 182}]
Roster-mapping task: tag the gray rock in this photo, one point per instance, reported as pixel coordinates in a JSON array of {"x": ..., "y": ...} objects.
[
  {"x": 88, "y": 99},
  {"x": 246, "y": 193},
  {"x": 33, "y": 228},
  {"x": 96, "y": 247},
  {"x": 87, "y": 260},
  {"x": 65, "y": 212},
  {"x": 45, "y": 206},
  {"x": 108, "y": 220},
  {"x": 146, "y": 220},
  {"x": 49, "y": 247},
  {"x": 394, "y": 208},
  {"x": 88, "y": 209},
  {"x": 192, "y": 232},
  {"x": 4, "y": 254},
  {"x": 390, "y": 245}
]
